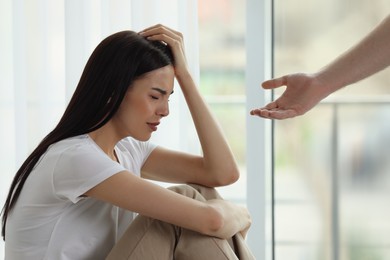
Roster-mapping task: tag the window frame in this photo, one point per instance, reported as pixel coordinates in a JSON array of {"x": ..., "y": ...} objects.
[{"x": 259, "y": 41}]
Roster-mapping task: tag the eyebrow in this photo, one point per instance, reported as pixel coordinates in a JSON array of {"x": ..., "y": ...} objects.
[{"x": 163, "y": 92}]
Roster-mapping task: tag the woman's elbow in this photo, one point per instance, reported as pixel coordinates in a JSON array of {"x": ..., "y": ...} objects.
[
  {"x": 227, "y": 177},
  {"x": 234, "y": 175}
]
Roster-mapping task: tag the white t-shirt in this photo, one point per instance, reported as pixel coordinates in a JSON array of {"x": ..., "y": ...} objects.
[{"x": 51, "y": 219}]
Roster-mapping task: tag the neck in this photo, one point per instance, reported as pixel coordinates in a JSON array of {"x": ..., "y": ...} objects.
[{"x": 106, "y": 140}]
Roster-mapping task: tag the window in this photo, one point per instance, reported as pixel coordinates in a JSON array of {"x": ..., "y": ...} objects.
[
  {"x": 222, "y": 76},
  {"x": 234, "y": 41},
  {"x": 332, "y": 176}
]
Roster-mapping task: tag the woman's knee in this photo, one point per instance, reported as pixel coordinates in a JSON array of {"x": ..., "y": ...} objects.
[
  {"x": 196, "y": 191},
  {"x": 186, "y": 190}
]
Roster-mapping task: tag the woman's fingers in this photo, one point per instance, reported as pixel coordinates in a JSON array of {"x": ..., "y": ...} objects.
[
  {"x": 165, "y": 38},
  {"x": 175, "y": 45},
  {"x": 162, "y": 30},
  {"x": 171, "y": 37},
  {"x": 162, "y": 33}
]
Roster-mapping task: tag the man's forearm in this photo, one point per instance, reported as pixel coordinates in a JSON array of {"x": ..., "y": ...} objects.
[{"x": 370, "y": 55}]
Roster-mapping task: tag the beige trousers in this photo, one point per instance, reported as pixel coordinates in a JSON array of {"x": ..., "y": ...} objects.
[{"x": 150, "y": 239}]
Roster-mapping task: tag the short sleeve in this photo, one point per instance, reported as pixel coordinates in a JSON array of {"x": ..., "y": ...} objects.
[
  {"x": 136, "y": 151},
  {"x": 144, "y": 148},
  {"x": 81, "y": 168}
]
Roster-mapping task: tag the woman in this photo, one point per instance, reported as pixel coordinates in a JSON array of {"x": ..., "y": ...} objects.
[{"x": 74, "y": 196}]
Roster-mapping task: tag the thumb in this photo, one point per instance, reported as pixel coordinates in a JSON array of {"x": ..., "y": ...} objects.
[{"x": 274, "y": 83}]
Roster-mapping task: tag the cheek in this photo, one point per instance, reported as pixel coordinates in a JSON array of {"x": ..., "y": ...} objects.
[{"x": 140, "y": 107}]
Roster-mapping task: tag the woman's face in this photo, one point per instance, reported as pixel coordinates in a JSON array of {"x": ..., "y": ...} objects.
[{"x": 144, "y": 104}]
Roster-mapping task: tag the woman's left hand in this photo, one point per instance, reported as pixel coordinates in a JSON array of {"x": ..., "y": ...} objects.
[{"x": 174, "y": 39}]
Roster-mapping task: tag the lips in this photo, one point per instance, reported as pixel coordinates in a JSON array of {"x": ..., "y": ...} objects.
[{"x": 153, "y": 126}]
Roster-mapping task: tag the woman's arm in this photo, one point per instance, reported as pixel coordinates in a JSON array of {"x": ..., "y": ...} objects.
[
  {"x": 217, "y": 166},
  {"x": 304, "y": 91},
  {"x": 217, "y": 218}
]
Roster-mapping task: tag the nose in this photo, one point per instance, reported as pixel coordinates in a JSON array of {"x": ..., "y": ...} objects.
[{"x": 164, "y": 110}]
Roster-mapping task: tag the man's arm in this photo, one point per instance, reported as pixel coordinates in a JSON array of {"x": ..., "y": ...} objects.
[{"x": 304, "y": 91}]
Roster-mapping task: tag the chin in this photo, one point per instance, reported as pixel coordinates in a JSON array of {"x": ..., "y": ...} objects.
[{"x": 142, "y": 138}]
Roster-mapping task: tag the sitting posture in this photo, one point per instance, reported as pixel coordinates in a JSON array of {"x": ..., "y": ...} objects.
[{"x": 77, "y": 195}]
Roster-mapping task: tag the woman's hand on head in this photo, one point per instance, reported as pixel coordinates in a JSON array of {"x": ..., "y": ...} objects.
[{"x": 175, "y": 41}]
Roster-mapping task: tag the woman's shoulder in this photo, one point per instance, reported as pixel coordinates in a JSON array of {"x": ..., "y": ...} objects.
[
  {"x": 71, "y": 141},
  {"x": 77, "y": 148},
  {"x": 81, "y": 156}
]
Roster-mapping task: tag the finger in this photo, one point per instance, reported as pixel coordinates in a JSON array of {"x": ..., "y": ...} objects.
[
  {"x": 274, "y": 83},
  {"x": 274, "y": 114},
  {"x": 268, "y": 107},
  {"x": 153, "y": 27},
  {"x": 156, "y": 31},
  {"x": 255, "y": 112},
  {"x": 260, "y": 113},
  {"x": 172, "y": 42},
  {"x": 176, "y": 47},
  {"x": 159, "y": 26},
  {"x": 172, "y": 31},
  {"x": 160, "y": 29},
  {"x": 271, "y": 105},
  {"x": 283, "y": 114}
]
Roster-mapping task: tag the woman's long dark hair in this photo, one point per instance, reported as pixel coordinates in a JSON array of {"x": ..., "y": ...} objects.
[{"x": 115, "y": 63}]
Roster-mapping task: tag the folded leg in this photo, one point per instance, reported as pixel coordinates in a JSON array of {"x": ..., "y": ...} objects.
[{"x": 150, "y": 239}]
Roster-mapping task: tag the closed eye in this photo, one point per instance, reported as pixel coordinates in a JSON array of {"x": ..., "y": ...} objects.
[{"x": 160, "y": 92}]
